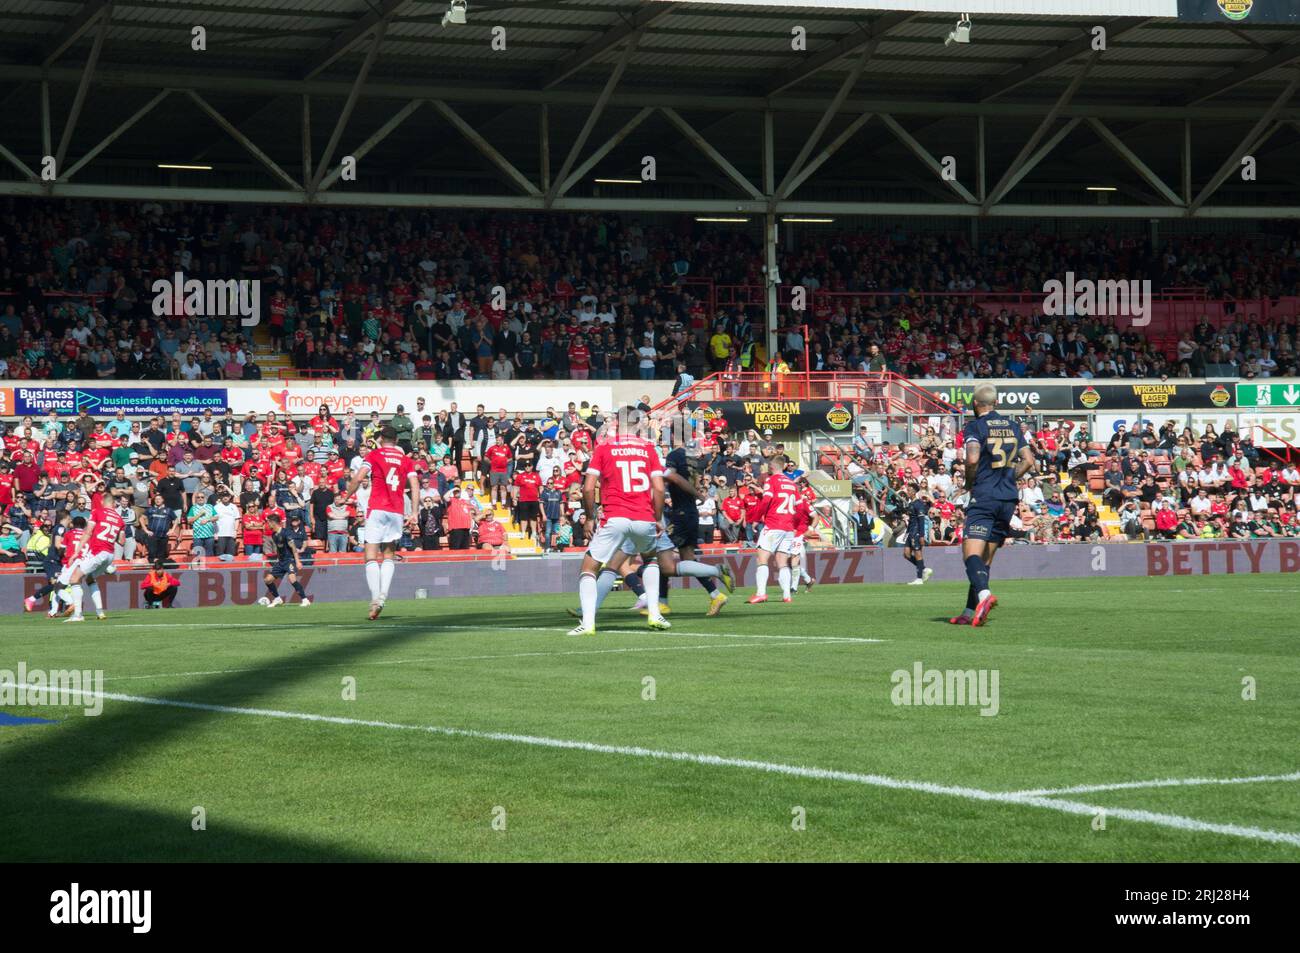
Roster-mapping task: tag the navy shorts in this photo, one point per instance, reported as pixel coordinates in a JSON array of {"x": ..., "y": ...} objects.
[
  {"x": 280, "y": 570},
  {"x": 684, "y": 528},
  {"x": 915, "y": 540},
  {"x": 989, "y": 520}
]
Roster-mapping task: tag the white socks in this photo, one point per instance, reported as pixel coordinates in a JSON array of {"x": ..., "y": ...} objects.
[
  {"x": 697, "y": 570},
  {"x": 373, "y": 580},
  {"x": 386, "y": 570},
  {"x": 760, "y": 580},
  {"x": 650, "y": 576},
  {"x": 605, "y": 585},
  {"x": 97, "y": 598},
  {"x": 77, "y": 596},
  {"x": 783, "y": 576},
  {"x": 587, "y": 597}
]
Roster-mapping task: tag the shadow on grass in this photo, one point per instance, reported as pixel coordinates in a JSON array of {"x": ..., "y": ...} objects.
[{"x": 45, "y": 820}]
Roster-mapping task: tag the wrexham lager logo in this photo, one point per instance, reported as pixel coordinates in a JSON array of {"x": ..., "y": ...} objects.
[
  {"x": 1220, "y": 396},
  {"x": 1090, "y": 398},
  {"x": 1236, "y": 9},
  {"x": 839, "y": 417}
]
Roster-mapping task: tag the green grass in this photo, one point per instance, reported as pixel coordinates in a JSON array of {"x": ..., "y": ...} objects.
[{"x": 1101, "y": 682}]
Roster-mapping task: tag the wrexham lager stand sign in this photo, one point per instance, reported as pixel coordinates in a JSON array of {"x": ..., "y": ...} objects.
[
  {"x": 828, "y": 415},
  {"x": 1268, "y": 395}
]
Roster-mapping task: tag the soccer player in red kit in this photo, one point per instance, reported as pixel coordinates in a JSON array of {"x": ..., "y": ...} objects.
[
  {"x": 392, "y": 475},
  {"x": 798, "y": 556},
  {"x": 92, "y": 558},
  {"x": 778, "y": 511},
  {"x": 631, "y": 480}
]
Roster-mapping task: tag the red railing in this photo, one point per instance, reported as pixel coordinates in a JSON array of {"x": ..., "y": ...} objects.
[
  {"x": 1286, "y": 443},
  {"x": 293, "y": 373},
  {"x": 883, "y": 393},
  {"x": 88, "y": 295}
]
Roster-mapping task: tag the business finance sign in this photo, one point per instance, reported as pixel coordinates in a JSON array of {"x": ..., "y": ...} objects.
[{"x": 107, "y": 401}]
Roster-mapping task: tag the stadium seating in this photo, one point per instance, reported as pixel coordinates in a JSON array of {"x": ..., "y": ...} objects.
[{"x": 923, "y": 299}]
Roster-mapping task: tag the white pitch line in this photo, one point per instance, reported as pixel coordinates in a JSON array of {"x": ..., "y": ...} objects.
[
  {"x": 1164, "y": 783},
  {"x": 791, "y": 640},
  {"x": 1175, "y": 821},
  {"x": 434, "y": 628}
]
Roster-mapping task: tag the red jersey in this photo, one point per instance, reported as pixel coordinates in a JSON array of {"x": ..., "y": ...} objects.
[
  {"x": 389, "y": 468},
  {"x": 530, "y": 486},
  {"x": 253, "y": 527},
  {"x": 802, "y": 518},
  {"x": 733, "y": 508},
  {"x": 499, "y": 457},
  {"x": 626, "y": 465},
  {"x": 70, "y": 540},
  {"x": 781, "y": 500},
  {"x": 6, "y": 489},
  {"x": 491, "y": 532},
  {"x": 108, "y": 524}
]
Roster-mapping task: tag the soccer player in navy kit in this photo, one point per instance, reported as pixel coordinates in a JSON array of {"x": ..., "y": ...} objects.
[
  {"x": 996, "y": 458},
  {"x": 918, "y": 516},
  {"x": 288, "y": 544}
]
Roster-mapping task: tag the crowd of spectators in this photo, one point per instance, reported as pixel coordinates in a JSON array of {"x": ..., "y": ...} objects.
[
  {"x": 203, "y": 487},
  {"x": 375, "y": 294}
]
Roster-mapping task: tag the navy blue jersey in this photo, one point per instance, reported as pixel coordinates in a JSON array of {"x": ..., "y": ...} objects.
[
  {"x": 999, "y": 440},
  {"x": 678, "y": 498},
  {"x": 283, "y": 542},
  {"x": 917, "y": 513}
]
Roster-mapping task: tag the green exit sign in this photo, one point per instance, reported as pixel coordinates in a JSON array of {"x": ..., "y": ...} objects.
[{"x": 1268, "y": 395}]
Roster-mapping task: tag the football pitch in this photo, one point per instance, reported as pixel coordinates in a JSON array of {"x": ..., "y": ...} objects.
[{"x": 1102, "y": 720}]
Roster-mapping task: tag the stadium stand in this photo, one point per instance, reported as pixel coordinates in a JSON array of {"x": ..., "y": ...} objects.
[{"x": 382, "y": 295}]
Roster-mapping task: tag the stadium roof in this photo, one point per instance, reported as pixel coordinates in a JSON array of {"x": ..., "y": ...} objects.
[{"x": 858, "y": 122}]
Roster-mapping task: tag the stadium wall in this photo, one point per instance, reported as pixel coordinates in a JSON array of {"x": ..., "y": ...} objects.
[{"x": 243, "y": 586}]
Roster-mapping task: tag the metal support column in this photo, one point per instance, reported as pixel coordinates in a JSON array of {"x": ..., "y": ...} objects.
[{"x": 769, "y": 245}]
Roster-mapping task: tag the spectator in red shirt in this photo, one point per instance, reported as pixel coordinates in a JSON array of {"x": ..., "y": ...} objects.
[
  {"x": 731, "y": 518},
  {"x": 579, "y": 359},
  {"x": 528, "y": 508},
  {"x": 491, "y": 534},
  {"x": 499, "y": 457},
  {"x": 460, "y": 517}
]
